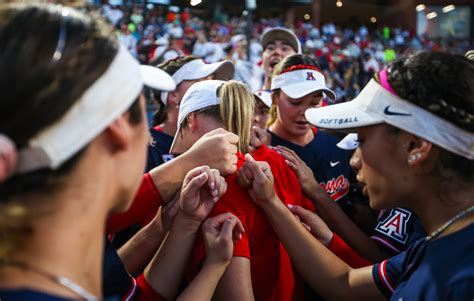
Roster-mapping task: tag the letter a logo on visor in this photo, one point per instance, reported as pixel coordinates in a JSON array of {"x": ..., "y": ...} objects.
[{"x": 310, "y": 76}]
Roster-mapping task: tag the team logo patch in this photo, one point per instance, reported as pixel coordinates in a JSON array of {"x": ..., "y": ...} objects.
[
  {"x": 395, "y": 225},
  {"x": 310, "y": 76},
  {"x": 336, "y": 187}
]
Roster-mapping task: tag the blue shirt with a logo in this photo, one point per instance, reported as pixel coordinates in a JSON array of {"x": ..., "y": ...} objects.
[
  {"x": 329, "y": 163},
  {"x": 159, "y": 146},
  {"x": 397, "y": 229},
  {"x": 441, "y": 269}
]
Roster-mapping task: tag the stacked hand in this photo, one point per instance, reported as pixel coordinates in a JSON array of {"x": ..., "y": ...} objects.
[
  {"x": 258, "y": 178},
  {"x": 217, "y": 149},
  {"x": 259, "y": 136},
  {"x": 313, "y": 223},
  {"x": 219, "y": 233},
  {"x": 303, "y": 172},
  {"x": 202, "y": 188}
]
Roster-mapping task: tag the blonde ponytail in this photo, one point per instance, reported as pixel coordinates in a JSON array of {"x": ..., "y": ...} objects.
[{"x": 236, "y": 110}]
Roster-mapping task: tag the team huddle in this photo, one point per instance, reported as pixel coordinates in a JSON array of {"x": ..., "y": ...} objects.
[{"x": 246, "y": 195}]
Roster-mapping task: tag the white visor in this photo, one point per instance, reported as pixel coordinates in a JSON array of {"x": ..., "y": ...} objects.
[
  {"x": 104, "y": 101},
  {"x": 299, "y": 83},
  {"x": 197, "y": 69},
  {"x": 375, "y": 105},
  {"x": 265, "y": 97},
  {"x": 199, "y": 96}
]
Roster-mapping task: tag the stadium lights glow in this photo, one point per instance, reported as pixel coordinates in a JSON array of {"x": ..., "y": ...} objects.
[
  {"x": 431, "y": 15},
  {"x": 448, "y": 8},
  {"x": 373, "y": 19},
  {"x": 339, "y": 3},
  {"x": 420, "y": 7},
  {"x": 195, "y": 2}
]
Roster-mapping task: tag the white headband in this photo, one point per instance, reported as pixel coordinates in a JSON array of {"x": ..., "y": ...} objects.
[
  {"x": 299, "y": 83},
  {"x": 103, "y": 102},
  {"x": 376, "y": 105}
]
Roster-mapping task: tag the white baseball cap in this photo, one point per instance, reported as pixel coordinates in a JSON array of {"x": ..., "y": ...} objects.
[
  {"x": 376, "y": 104},
  {"x": 197, "y": 69},
  {"x": 104, "y": 101},
  {"x": 199, "y": 96},
  {"x": 280, "y": 33},
  {"x": 300, "y": 82},
  {"x": 265, "y": 96}
]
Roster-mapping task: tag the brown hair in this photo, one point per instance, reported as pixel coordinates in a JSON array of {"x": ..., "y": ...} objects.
[
  {"x": 37, "y": 91},
  {"x": 291, "y": 60}
]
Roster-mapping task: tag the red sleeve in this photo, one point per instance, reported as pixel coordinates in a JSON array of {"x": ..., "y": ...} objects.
[
  {"x": 146, "y": 201},
  {"x": 146, "y": 292},
  {"x": 346, "y": 253},
  {"x": 238, "y": 202}
]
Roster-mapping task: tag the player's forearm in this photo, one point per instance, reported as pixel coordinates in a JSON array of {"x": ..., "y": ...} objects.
[
  {"x": 340, "y": 223},
  {"x": 169, "y": 176},
  {"x": 204, "y": 284},
  {"x": 165, "y": 271},
  {"x": 324, "y": 271},
  {"x": 139, "y": 250}
]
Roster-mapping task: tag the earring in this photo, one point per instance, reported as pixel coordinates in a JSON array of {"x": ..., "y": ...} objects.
[{"x": 413, "y": 158}]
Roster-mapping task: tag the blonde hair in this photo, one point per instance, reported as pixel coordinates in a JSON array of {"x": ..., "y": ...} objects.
[{"x": 235, "y": 111}]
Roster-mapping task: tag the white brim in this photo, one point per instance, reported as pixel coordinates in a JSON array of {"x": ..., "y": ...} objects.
[
  {"x": 298, "y": 90},
  {"x": 265, "y": 97},
  {"x": 222, "y": 70},
  {"x": 156, "y": 78},
  {"x": 341, "y": 116}
]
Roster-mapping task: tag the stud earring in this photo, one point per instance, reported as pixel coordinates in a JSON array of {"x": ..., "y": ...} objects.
[{"x": 414, "y": 158}]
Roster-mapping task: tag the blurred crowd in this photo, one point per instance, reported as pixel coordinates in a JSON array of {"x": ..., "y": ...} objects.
[{"x": 348, "y": 56}]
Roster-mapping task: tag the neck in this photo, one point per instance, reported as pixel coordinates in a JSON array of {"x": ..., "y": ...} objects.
[
  {"x": 67, "y": 239},
  {"x": 267, "y": 83},
  {"x": 435, "y": 209},
  {"x": 278, "y": 129},
  {"x": 170, "y": 125}
]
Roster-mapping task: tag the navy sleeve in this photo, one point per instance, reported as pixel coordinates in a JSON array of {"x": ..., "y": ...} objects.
[
  {"x": 387, "y": 273},
  {"x": 461, "y": 290}
]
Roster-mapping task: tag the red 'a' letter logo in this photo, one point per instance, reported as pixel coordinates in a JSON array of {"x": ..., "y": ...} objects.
[{"x": 310, "y": 76}]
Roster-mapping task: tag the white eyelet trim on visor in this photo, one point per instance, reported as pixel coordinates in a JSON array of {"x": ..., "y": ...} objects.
[
  {"x": 103, "y": 102},
  {"x": 376, "y": 105},
  {"x": 299, "y": 83},
  {"x": 197, "y": 69}
]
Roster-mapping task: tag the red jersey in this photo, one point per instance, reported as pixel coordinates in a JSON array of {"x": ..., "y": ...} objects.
[{"x": 272, "y": 274}]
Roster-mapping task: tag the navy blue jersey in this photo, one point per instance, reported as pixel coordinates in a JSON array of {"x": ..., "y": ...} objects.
[
  {"x": 29, "y": 295},
  {"x": 159, "y": 147},
  {"x": 442, "y": 269},
  {"x": 329, "y": 163},
  {"x": 116, "y": 280},
  {"x": 397, "y": 229}
]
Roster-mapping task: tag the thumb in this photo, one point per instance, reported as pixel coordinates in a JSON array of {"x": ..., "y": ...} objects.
[
  {"x": 195, "y": 184},
  {"x": 227, "y": 228},
  {"x": 255, "y": 168},
  {"x": 304, "y": 214}
]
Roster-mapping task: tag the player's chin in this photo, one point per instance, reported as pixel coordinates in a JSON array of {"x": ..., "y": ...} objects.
[{"x": 377, "y": 202}]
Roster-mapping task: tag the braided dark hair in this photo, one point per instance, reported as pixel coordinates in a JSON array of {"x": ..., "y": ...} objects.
[{"x": 443, "y": 84}]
